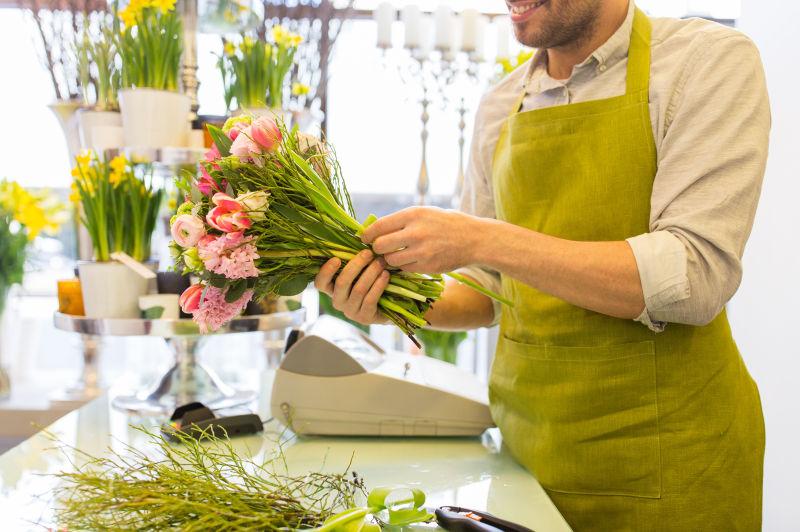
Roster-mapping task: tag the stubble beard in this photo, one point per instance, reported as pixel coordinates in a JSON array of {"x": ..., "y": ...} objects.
[{"x": 569, "y": 24}]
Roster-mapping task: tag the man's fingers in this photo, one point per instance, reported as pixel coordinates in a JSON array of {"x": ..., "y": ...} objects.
[
  {"x": 398, "y": 259},
  {"x": 391, "y": 242},
  {"x": 387, "y": 224},
  {"x": 369, "y": 307},
  {"x": 324, "y": 279},
  {"x": 364, "y": 283},
  {"x": 344, "y": 281}
]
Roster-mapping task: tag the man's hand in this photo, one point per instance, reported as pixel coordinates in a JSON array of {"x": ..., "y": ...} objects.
[
  {"x": 358, "y": 287},
  {"x": 424, "y": 239}
]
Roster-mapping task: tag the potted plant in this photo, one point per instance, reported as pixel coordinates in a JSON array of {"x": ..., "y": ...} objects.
[
  {"x": 442, "y": 345},
  {"x": 119, "y": 210},
  {"x": 23, "y": 216},
  {"x": 100, "y": 121},
  {"x": 255, "y": 74},
  {"x": 150, "y": 43}
]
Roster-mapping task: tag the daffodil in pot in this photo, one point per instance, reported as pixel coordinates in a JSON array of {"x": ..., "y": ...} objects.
[
  {"x": 98, "y": 73},
  {"x": 255, "y": 74},
  {"x": 150, "y": 43},
  {"x": 23, "y": 216},
  {"x": 119, "y": 207}
]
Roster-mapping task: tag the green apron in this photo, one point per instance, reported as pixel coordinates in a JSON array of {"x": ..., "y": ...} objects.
[{"x": 625, "y": 429}]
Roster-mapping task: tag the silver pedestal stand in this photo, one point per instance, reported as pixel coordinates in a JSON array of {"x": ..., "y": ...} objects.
[{"x": 187, "y": 380}]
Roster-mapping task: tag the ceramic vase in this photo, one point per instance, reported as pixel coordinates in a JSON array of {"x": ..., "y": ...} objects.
[
  {"x": 111, "y": 290},
  {"x": 100, "y": 130},
  {"x": 154, "y": 119}
]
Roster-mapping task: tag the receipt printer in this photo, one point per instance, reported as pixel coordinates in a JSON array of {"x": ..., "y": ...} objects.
[{"x": 335, "y": 381}]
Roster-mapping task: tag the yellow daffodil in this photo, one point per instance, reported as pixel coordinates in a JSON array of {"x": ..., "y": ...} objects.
[
  {"x": 279, "y": 34},
  {"x": 36, "y": 212},
  {"x": 300, "y": 89},
  {"x": 83, "y": 159},
  {"x": 247, "y": 44},
  {"x": 294, "y": 40},
  {"x": 229, "y": 49},
  {"x": 75, "y": 194},
  {"x": 118, "y": 167},
  {"x": 164, "y": 5}
]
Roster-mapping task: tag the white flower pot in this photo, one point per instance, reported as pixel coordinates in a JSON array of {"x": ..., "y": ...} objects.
[
  {"x": 153, "y": 119},
  {"x": 111, "y": 290},
  {"x": 100, "y": 130}
]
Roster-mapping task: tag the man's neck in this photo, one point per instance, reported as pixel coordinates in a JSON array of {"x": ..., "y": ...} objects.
[{"x": 562, "y": 59}]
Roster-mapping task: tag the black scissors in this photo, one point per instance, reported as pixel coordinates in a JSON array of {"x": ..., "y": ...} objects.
[{"x": 457, "y": 519}]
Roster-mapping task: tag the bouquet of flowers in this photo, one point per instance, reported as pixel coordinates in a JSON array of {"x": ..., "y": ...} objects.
[
  {"x": 118, "y": 208},
  {"x": 150, "y": 44},
  {"x": 23, "y": 216},
  {"x": 254, "y": 73},
  {"x": 271, "y": 209}
]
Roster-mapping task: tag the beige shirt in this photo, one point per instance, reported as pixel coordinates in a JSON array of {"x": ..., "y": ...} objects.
[{"x": 711, "y": 120}]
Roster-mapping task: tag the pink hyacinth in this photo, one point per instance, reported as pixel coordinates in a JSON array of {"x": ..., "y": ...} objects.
[
  {"x": 231, "y": 255},
  {"x": 214, "y": 311}
]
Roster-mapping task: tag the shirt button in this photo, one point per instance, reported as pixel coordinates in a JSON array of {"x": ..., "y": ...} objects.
[{"x": 602, "y": 68}]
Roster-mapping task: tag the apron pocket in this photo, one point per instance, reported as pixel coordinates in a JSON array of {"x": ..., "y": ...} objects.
[{"x": 582, "y": 419}]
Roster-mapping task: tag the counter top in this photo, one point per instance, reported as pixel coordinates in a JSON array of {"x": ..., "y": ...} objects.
[{"x": 470, "y": 472}]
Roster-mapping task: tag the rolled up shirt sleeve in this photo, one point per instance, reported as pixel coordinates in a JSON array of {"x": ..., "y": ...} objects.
[{"x": 711, "y": 163}]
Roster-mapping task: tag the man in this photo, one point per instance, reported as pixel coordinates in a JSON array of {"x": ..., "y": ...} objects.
[{"x": 613, "y": 183}]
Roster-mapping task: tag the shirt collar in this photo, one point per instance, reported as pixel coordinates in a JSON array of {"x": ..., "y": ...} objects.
[{"x": 610, "y": 52}]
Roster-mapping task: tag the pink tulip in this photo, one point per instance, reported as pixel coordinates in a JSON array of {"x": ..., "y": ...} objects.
[
  {"x": 190, "y": 298},
  {"x": 244, "y": 146},
  {"x": 206, "y": 184},
  {"x": 265, "y": 133},
  {"x": 228, "y": 216},
  {"x": 212, "y": 154},
  {"x": 226, "y": 202},
  {"x": 236, "y": 128},
  {"x": 187, "y": 230}
]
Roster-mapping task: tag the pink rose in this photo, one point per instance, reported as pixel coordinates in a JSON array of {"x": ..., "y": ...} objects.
[
  {"x": 265, "y": 133},
  {"x": 190, "y": 298},
  {"x": 228, "y": 216},
  {"x": 187, "y": 230}
]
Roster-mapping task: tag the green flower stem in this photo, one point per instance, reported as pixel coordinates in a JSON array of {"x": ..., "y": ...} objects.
[
  {"x": 478, "y": 288},
  {"x": 416, "y": 320}
]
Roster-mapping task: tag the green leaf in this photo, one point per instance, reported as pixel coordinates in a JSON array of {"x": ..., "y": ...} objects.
[
  {"x": 235, "y": 291},
  {"x": 153, "y": 313},
  {"x": 220, "y": 139},
  {"x": 292, "y": 286}
]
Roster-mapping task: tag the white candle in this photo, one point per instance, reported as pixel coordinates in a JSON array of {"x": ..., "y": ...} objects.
[
  {"x": 426, "y": 36},
  {"x": 503, "y": 31},
  {"x": 469, "y": 30},
  {"x": 412, "y": 18},
  {"x": 384, "y": 17},
  {"x": 479, "y": 54},
  {"x": 444, "y": 27}
]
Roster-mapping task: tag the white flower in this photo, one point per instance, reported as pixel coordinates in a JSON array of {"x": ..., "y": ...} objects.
[{"x": 255, "y": 203}]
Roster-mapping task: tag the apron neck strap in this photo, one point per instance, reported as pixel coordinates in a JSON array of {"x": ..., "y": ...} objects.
[{"x": 638, "y": 74}]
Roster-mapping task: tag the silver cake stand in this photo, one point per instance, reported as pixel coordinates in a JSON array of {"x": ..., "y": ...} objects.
[{"x": 187, "y": 380}]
